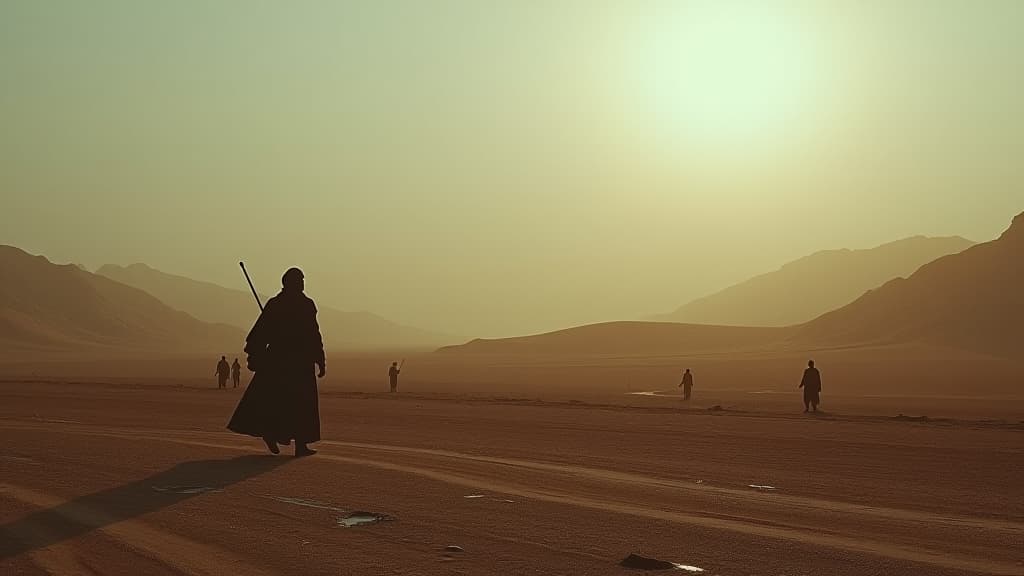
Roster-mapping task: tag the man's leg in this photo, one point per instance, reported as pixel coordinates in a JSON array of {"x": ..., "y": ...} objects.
[
  {"x": 302, "y": 450},
  {"x": 271, "y": 445}
]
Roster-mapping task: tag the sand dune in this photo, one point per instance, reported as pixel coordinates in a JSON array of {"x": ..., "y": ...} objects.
[
  {"x": 956, "y": 326},
  {"x": 213, "y": 303},
  {"x": 630, "y": 338},
  {"x": 806, "y": 288},
  {"x": 973, "y": 300}
]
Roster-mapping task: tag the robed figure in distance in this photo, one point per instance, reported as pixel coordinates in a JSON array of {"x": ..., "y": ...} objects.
[
  {"x": 281, "y": 404},
  {"x": 811, "y": 383}
]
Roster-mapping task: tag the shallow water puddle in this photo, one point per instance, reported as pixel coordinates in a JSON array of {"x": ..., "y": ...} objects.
[
  {"x": 687, "y": 567},
  {"x": 761, "y": 487},
  {"x": 185, "y": 489},
  {"x": 474, "y": 496},
  {"x": 361, "y": 519},
  {"x": 349, "y": 520}
]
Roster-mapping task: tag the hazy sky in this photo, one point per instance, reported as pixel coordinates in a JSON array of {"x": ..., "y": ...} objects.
[{"x": 497, "y": 168}]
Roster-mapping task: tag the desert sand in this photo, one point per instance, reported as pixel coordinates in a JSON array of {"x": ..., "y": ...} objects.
[
  {"x": 558, "y": 453},
  {"x": 115, "y": 475}
]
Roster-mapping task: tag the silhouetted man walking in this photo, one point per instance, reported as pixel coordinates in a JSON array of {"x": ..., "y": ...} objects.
[
  {"x": 811, "y": 383},
  {"x": 687, "y": 384},
  {"x": 393, "y": 373},
  {"x": 223, "y": 371},
  {"x": 280, "y": 403},
  {"x": 236, "y": 372}
]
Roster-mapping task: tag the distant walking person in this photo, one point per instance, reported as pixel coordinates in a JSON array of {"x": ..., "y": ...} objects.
[
  {"x": 811, "y": 383},
  {"x": 393, "y": 373},
  {"x": 223, "y": 371},
  {"x": 236, "y": 372},
  {"x": 687, "y": 384},
  {"x": 280, "y": 403}
]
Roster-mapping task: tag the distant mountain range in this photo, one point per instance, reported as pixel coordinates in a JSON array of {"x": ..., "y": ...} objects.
[
  {"x": 972, "y": 300},
  {"x": 45, "y": 307},
  {"x": 806, "y": 288},
  {"x": 214, "y": 303}
]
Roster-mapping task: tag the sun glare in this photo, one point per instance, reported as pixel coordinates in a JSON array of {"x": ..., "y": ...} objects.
[{"x": 735, "y": 77}]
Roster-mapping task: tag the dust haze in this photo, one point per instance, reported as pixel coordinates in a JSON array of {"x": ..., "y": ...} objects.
[{"x": 489, "y": 288}]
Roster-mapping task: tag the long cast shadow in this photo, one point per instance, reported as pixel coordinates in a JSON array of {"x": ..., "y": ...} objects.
[{"x": 186, "y": 480}]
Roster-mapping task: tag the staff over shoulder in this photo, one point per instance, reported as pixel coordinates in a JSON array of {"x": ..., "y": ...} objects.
[{"x": 281, "y": 404}]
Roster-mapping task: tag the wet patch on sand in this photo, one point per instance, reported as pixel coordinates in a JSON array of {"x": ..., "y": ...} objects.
[
  {"x": 362, "y": 519},
  {"x": 348, "y": 519},
  {"x": 905, "y": 418},
  {"x": 661, "y": 393}
]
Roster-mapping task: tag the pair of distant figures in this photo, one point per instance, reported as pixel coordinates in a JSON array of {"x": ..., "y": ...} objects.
[
  {"x": 224, "y": 371},
  {"x": 811, "y": 383},
  {"x": 235, "y": 371}
]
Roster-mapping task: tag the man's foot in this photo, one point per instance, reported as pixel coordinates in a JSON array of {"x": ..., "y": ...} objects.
[
  {"x": 806, "y": 410},
  {"x": 303, "y": 450},
  {"x": 272, "y": 446},
  {"x": 287, "y": 442}
]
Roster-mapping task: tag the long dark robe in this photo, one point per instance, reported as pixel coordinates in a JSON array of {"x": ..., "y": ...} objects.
[
  {"x": 283, "y": 347},
  {"x": 811, "y": 383}
]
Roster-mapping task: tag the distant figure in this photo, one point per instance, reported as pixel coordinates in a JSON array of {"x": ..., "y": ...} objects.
[
  {"x": 393, "y": 373},
  {"x": 236, "y": 372},
  {"x": 811, "y": 383},
  {"x": 223, "y": 371},
  {"x": 687, "y": 384},
  {"x": 280, "y": 403}
]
